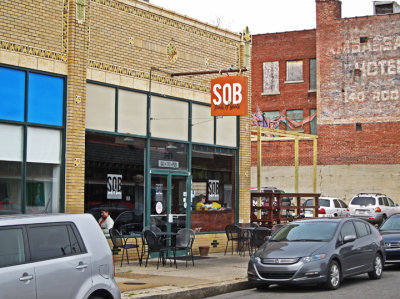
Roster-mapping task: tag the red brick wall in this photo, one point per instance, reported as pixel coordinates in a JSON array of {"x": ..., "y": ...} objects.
[{"x": 371, "y": 98}]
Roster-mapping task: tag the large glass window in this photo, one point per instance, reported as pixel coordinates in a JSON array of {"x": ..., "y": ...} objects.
[
  {"x": 168, "y": 155},
  {"x": 12, "y": 94},
  {"x": 132, "y": 112},
  {"x": 202, "y": 124},
  {"x": 100, "y": 107},
  {"x": 226, "y": 131},
  {"x": 43, "y": 146},
  {"x": 111, "y": 157},
  {"x": 213, "y": 176}
]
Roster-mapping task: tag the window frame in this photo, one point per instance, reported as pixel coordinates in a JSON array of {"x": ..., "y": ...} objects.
[
  {"x": 26, "y": 124},
  {"x": 288, "y": 80}
]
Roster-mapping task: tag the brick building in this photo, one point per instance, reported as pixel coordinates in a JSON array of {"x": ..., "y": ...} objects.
[
  {"x": 90, "y": 116},
  {"x": 357, "y": 99}
]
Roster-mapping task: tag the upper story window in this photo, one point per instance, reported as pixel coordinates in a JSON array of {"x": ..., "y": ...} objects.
[
  {"x": 294, "y": 120},
  {"x": 294, "y": 71},
  {"x": 313, "y": 74},
  {"x": 270, "y": 78}
]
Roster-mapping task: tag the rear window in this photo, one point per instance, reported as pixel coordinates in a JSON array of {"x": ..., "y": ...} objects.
[{"x": 363, "y": 201}]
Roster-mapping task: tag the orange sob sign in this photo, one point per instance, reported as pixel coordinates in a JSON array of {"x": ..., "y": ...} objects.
[{"x": 229, "y": 96}]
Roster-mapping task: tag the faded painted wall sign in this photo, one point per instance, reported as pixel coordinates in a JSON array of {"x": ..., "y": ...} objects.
[{"x": 362, "y": 83}]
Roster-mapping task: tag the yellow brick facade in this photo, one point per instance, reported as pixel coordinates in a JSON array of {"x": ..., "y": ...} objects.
[{"x": 117, "y": 43}]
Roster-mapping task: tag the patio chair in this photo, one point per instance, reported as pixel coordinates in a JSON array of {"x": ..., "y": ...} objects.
[
  {"x": 154, "y": 245},
  {"x": 120, "y": 242},
  {"x": 184, "y": 241},
  {"x": 233, "y": 234},
  {"x": 259, "y": 237}
]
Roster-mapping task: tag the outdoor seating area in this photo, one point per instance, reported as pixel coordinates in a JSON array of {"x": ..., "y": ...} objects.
[
  {"x": 248, "y": 237},
  {"x": 154, "y": 243}
]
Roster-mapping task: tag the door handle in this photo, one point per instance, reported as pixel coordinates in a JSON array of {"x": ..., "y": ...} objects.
[
  {"x": 81, "y": 266},
  {"x": 26, "y": 277}
]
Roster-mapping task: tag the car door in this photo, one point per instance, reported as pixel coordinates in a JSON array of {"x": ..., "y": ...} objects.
[
  {"x": 344, "y": 208},
  {"x": 348, "y": 251},
  {"x": 62, "y": 266},
  {"x": 17, "y": 276},
  {"x": 336, "y": 208},
  {"x": 364, "y": 244}
]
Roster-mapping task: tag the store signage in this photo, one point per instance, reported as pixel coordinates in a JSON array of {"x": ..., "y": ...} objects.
[
  {"x": 213, "y": 190},
  {"x": 168, "y": 164},
  {"x": 114, "y": 186},
  {"x": 229, "y": 96}
]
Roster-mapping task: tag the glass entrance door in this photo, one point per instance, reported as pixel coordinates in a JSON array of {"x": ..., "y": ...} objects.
[{"x": 168, "y": 202}]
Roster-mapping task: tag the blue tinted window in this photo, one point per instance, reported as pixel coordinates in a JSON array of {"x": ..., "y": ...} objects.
[
  {"x": 12, "y": 94},
  {"x": 45, "y": 99}
]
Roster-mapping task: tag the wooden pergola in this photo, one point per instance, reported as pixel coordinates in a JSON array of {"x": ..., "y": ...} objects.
[{"x": 261, "y": 134}]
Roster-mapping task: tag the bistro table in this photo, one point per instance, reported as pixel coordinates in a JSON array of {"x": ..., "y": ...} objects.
[{"x": 166, "y": 238}]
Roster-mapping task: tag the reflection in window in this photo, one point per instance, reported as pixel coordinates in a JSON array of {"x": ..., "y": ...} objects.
[
  {"x": 213, "y": 176},
  {"x": 12, "y": 94}
]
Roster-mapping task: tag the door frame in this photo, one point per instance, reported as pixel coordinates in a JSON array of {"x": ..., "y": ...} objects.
[{"x": 169, "y": 175}]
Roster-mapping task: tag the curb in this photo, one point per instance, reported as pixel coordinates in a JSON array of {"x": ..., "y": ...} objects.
[{"x": 202, "y": 292}]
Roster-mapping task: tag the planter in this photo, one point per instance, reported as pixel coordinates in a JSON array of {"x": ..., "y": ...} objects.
[{"x": 204, "y": 250}]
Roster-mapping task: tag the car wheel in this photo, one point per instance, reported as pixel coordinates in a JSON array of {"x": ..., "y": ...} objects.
[
  {"x": 376, "y": 273},
  {"x": 334, "y": 276}
]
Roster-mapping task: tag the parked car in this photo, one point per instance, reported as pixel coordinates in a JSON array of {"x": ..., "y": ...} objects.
[
  {"x": 328, "y": 207},
  {"x": 318, "y": 251},
  {"x": 390, "y": 232},
  {"x": 372, "y": 207},
  {"x": 55, "y": 256}
]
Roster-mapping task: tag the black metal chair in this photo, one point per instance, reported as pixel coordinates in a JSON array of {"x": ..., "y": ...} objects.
[
  {"x": 184, "y": 241},
  {"x": 155, "y": 245},
  {"x": 259, "y": 236},
  {"x": 120, "y": 242},
  {"x": 233, "y": 234}
]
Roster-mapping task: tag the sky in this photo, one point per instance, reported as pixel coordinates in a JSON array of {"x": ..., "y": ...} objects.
[{"x": 262, "y": 16}]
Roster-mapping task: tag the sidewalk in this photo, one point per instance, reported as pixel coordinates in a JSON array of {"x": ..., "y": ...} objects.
[{"x": 211, "y": 275}]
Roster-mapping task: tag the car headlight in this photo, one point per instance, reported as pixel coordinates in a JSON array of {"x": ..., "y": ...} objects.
[
  {"x": 255, "y": 259},
  {"x": 313, "y": 258}
]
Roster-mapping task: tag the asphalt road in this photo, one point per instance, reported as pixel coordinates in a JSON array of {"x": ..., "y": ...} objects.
[{"x": 354, "y": 287}]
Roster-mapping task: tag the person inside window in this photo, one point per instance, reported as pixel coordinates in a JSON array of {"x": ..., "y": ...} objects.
[
  {"x": 202, "y": 204},
  {"x": 106, "y": 222}
]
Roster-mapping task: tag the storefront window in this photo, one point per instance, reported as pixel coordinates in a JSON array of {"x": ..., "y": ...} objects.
[
  {"x": 168, "y": 155},
  {"x": 114, "y": 175},
  {"x": 213, "y": 176}
]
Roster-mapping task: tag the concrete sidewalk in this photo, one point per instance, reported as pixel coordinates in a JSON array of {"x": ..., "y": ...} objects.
[{"x": 210, "y": 276}]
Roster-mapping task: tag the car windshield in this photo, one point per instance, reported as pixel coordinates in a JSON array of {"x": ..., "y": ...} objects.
[
  {"x": 393, "y": 223},
  {"x": 322, "y": 202},
  {"x": 306, "y": 231},
  {"x": 363, "y": 201}
]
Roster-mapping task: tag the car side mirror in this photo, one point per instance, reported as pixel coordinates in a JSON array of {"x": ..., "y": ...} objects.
[
  {"x": 349, "y": 238},
  {"x": 396, "y": 204}
]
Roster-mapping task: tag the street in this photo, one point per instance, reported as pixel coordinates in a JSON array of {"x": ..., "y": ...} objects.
[{"x": 353, "y": 287}]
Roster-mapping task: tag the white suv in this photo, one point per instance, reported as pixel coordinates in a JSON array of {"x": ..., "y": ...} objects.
[
  {"x": 64, "y": 256},
  {"x": 372, "y": 207},
  {"x": 328, "y": 207}
]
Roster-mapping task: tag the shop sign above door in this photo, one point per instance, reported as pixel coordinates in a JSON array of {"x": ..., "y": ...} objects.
[
  {"x": 229, "y": 96},
  {"x": 168, "y": 164}
]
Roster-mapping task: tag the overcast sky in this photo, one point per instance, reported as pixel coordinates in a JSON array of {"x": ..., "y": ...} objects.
[{"x": 262, "y": 16}]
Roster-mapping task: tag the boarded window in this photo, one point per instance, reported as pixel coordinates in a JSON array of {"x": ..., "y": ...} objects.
[
  {"x": 294, "y": 71},
  {"x": 271, "y": 77},
  {"x": 313, "y": 74}
]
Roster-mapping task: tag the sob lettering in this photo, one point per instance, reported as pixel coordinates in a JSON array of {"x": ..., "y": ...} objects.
[{"x": 227, "y": 94}]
